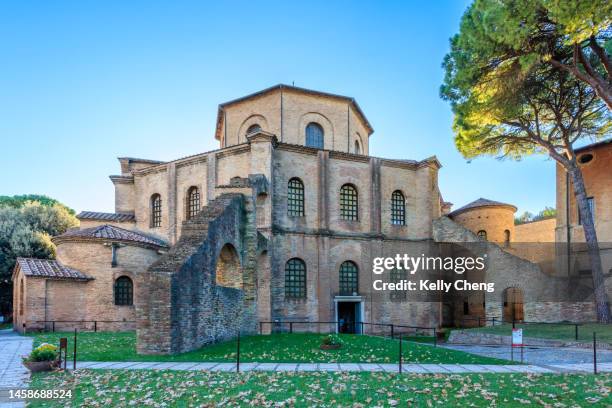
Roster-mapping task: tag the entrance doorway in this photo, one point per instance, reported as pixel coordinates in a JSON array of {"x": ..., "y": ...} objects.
[
  {"x": 513, "y": 304},
  {"x": 349, "y": 312}
]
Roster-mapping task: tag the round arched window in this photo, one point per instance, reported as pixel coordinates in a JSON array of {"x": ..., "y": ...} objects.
[
  {"x": 314, "y": 135},
  {"x": 253, "y": 129}
]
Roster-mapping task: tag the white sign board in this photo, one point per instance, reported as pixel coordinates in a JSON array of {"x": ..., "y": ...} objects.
[{"x": 517, "y": 337}]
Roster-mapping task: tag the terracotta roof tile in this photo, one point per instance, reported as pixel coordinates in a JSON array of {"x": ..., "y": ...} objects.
[
  {"x": 48, "y": 268},
  {"x": 102, "y": 216},
  {"x": 481, "y": 202},
  {"x": 110, "y": 232}
]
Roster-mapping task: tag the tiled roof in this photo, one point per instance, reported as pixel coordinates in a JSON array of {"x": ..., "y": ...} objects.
[
  {"x": 481, "y": 202},
  {"x": 112, "y": 233},
  {"x": 47, "y": 268},
  {"x": 102, "y": 216}
]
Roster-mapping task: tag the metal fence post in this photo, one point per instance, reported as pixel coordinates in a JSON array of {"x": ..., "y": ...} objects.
[
  {"x": 400, "y": 352},
  {"x": 260, "y": 328},
  {"x": 493, "y": 321},
  {"x": 95, "y": 326},
  {"x": 53, "y": 326},
  {"x": 75, "y": 350},
  {"x": 435, "y": 337},
  {"x": 238, "y": 353},
  {"x": 513, "y": 323},
  {"x": 361, "y": 323},
  {"x": 478, "y": 321},
  {"x": 291, "y": 327},
  {"x": 594, "y": 352},
  {"x": 393, "y": 331},
  {"x": 576, "y": 332}
]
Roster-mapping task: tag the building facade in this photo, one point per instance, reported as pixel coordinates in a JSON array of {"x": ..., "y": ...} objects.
[{"x": 280, "y": 224}]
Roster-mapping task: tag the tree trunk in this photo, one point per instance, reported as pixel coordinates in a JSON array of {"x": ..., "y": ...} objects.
[{"x": 601, "y": 298}]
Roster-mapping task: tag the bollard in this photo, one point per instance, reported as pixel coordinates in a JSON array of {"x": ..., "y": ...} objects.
[
  {"x": 400, "y": 353},
  {"x": 238, "y": 353},
  {"x": 594, "y": 352},
  {"x": 75, "y": 350}
]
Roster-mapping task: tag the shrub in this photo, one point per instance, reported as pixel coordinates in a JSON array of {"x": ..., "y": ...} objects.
[
  {"x": 331, "y": 340},
  {"x": 44, "y": 352}
]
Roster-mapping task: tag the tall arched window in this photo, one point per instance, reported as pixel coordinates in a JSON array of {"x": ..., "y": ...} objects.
[
  {"x": 193, "y": 202},
  {"x": 314, "y": 135},
  {"x": 295, "y": 279},
  {"x": 357, "y": 147},
  {"x": 253, "y": 129},
  {"x": 156, "y": 211},
  {"x": 398, "y": 208},
  {"x": 349, "y": 203},
  {"x": 124, "y": 291},
  {"x": 295, "y": 198},
  {"x": 349, "y": 278},
  {"x": 507, "y": 238},
  {"x": 482, "y": 235}
]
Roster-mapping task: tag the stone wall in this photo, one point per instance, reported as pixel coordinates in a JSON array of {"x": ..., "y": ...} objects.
[
  {"x": 546, "y": 298},
  {"x": 536, "y": 231}
]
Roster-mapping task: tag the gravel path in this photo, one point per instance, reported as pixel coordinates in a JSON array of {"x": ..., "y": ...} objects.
[{"x": 12, "y": 373}]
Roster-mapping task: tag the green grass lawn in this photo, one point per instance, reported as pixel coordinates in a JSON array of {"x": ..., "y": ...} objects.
[
  {"x": 297, "y": 347},
  {"x": 122, "y": 388},
  {"x": 555, "y": 331},
  {"x": 4, "y": 326}
]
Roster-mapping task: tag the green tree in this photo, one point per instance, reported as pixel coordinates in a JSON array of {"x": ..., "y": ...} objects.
[
  {"x": 513, "y": 106},
  {"x": 571, "y": 35},
  {"x": 25, "y": 231}
]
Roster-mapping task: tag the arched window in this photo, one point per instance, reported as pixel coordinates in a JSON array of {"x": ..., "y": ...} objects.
[
  {"x": 295, "y": 279},
  {"x": 295, "y": 198},
  {"x": 357, "y": 147},
  {"x": 482, "y": 235},
  {"x": 314, "y": 135},
  {"x": 349, "y": 278},
  {"x": 349, "y": 203},
  {"x": 124, "y": 291},
  {"x": 156, "y": 211},
  {"x": 253, "y": 129},
  {"x": 507, "y": 238},
  {"x": 398, "y": 208},
  {"x": 193, "y": 202}
]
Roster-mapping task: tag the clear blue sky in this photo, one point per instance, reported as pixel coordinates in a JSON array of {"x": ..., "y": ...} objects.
[{"x": 82, "y": 83}]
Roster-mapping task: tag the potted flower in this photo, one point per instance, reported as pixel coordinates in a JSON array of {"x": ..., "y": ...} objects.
[
  {"x": 42, "y": 358},
  {"x": 331, "y": 342}
]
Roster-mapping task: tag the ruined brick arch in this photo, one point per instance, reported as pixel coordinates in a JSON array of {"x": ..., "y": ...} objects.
[
  {"x": 250, "y": 121},
  {"x": 228, "y": 272}
]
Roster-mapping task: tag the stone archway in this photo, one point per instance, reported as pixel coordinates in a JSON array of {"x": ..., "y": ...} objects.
[
  {"x": 228, "y": 272},
  {"x": 513, "y": 304}
]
